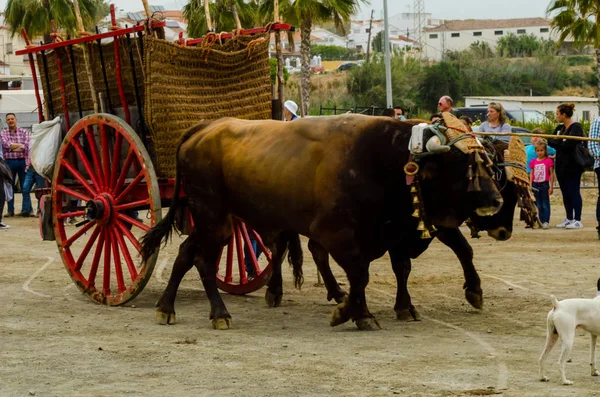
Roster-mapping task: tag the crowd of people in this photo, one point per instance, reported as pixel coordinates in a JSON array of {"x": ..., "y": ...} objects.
[{"x": 547, "y": 160}]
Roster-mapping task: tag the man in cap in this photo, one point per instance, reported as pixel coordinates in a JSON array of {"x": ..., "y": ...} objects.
[{"x": 290, "y": 110}]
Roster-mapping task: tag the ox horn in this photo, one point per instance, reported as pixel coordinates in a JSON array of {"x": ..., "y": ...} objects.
[{"x": 434, "y": 145}]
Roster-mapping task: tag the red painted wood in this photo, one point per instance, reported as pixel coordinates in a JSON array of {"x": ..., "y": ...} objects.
[
  {"x": 34, "y": 76},
  {"x": 87, "y": 39},
  {"x": 224, "y": 36}
]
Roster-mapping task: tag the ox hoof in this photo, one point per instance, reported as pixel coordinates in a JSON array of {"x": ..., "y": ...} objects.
[
  {"x": 272, "y": 299},
  {"x": 222, "y": 323},
  {"x": 544, "y": 379},
  {"x": 475, "y": 299},
  {"x": 339, "y": 298},
  {"x": 410, "y": 314},
  {"x": 368, "y": 324},
  {"x": 595, "y": 373},
  {"x": 339, "y": 315},
  {"x": 567, "y": 382},
  {"x": 165, "y": 318}
]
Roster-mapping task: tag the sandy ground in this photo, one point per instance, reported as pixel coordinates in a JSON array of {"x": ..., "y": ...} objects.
[{"x": 55, "y": 342}]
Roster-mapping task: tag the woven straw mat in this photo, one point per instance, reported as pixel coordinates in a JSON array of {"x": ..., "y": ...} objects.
[
  {"x": 53, "y": 83},
  {"x": 185, "y": 85},
  {"x": 516, "y": 154},
  {"x": 457, "y": 128}
]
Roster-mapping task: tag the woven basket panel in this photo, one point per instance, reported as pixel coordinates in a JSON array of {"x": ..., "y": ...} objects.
[
  {"x": 82, "y": 78},
  {"x": 516, "y": 153},
  {"x": 185, "y": 85}
]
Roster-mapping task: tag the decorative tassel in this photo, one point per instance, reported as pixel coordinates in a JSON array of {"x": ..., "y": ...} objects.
[
  {"x": 478, "y": 158},
  {"x": 476, "y": 184},
  {"x": 470, "y": 172}
]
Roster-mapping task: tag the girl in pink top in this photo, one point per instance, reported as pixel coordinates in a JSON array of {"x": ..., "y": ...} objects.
[{"x": 542, "y": 180}]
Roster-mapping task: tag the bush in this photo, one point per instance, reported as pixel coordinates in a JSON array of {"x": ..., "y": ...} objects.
[
  {"x": 273, "y": 66},
  {"x": 577, "y": 60}
]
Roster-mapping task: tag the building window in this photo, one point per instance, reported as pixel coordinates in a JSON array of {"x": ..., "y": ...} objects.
[
  {"x": 498, "y": 32},
  {"x": 544, "y": 30},
  {"x": 455, "y": 35},
  {"x": 9, "y": 48},
  {"x": 521, "y": 31},
  {"x": 433, "y": 36},
  {"x": 476, "y": 34},
  {"x": 586, "y": 115}
]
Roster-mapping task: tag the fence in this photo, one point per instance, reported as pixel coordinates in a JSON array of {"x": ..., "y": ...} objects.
[{"x": 371, "y": 111}]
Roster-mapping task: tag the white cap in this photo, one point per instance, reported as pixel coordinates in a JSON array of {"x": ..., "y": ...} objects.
[{"x": 291, "y": 106}]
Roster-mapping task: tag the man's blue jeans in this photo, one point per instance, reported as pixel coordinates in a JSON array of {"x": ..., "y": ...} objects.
[
  {"x": 17, "y": 167},
  {"x": 31, "y": 178}
]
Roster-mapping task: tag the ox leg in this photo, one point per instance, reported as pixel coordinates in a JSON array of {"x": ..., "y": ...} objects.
[
  {"x": 275, "y": 287},
  {"x": 165, "y": 312},
  {"x": 402, "y": 266},
  {"x": 207, "y": 267},
  {"x": 321, "y": 258},
  {"x": 355, "y": 305},
  {"x": 454, "y": 239}
]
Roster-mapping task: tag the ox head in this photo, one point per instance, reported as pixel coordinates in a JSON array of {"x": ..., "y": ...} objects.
[
  {"x": 455, "y": 175},
  {"x": 512, "y": 188}
]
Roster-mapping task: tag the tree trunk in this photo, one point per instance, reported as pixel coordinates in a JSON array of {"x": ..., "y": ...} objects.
[
  {"x": 236, "y": 16},
  {"x": 47, "y": 37},
  {"x": 209, "y": 25},
  {"x": 598, "y": 75},
  {"x": 305, "y": 30}
]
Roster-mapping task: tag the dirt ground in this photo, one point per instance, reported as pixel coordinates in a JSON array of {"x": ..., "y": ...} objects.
[{"x": 56, "y": 342}]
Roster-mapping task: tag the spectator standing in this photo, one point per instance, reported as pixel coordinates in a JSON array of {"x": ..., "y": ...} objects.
[
  {"x": 15, "y": 150},
  {"x": 542, "y": 180},
  {"x": 568, "y": 172},
  {"x": 497, "y": 121},
  {"x": 5, "y": 175},
  {"x": 445, "y": 105},
  {"x": 389, "y": 112},
  {"x": 594, "y": 148},
  {"x": 530, "y": 149},
  {"x": 290, "y": 110},
  {"x": 466, "y": 120},
  {"x": 399, "y": 113}
]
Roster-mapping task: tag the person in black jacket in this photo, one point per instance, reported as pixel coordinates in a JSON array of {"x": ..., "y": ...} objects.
[{"x": 568, "y": 172}]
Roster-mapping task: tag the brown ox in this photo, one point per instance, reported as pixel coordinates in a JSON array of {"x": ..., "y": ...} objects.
[{"x": 338, "y": 180}]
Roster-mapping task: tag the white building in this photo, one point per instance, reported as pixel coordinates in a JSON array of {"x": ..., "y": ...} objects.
[
  {"x": 585, "y": 108},
  {"x": 359, "y": 33},
  {"x": 325, "y": 37},
  {"x": 458, "y": 35},
  {"x": 9, "y": 62}
]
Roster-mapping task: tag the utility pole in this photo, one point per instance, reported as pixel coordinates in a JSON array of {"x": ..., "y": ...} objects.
[
  {"x": 420, "y": 23},
  {"x": 369, "y": 40},
  {"x": 388, "y": 68}
]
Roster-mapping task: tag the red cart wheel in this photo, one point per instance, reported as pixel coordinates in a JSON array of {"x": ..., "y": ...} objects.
[
  {"x": 238, "y": 281},
  {"x": 103, "y": 164}
]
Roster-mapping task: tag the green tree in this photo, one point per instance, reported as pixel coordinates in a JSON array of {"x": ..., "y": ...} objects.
[
  {"x": 35, "y": 15},
  {"x": 304, "y": 13},
  {"x": 580, "y": 20},
  {"x": 329, "y": 52},
  {"x": 442, "y": 78},
  {"x": 224, "y": 15},
  {"x": 513, "y": 45},
  {"x": 481, "y": 49}
]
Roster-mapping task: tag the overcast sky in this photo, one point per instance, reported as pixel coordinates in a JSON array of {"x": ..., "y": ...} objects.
[{"x": 442, "y": 9}]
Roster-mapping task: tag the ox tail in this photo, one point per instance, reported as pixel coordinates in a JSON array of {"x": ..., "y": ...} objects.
[
  {"x": 554, "y": 302},
  {"x": 162, "y": 231},
  {"x": 295, "y": 258}
]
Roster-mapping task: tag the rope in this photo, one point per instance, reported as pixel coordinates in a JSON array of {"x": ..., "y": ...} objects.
[{"x": 547, "y": 136}]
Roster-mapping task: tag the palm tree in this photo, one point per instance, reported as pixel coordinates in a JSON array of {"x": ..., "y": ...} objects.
[
  {"x": 304, "y": 13},
  {"x": 35, "y": 15},
  {"x": 223, "y": 15},
  {"x": 579, "y": 20}
]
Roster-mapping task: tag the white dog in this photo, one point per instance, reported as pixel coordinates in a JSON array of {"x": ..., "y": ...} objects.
[{"x": 565, "y": 316}]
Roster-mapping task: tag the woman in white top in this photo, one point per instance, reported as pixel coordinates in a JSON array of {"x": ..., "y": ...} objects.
[{"x": 496, "y": 121}]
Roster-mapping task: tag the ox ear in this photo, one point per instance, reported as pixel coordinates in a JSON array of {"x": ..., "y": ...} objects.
[{"x": 434, "y": 145}]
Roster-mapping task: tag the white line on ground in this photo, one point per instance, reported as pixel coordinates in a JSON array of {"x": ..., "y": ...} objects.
[
  {"x": 502, "y": 382},
  {"x": 34, "y": 275},
  {"x": 514, "y": 285}
]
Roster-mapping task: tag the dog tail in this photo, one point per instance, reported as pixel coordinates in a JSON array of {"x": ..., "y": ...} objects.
[{"x": 554, "y": 302}]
